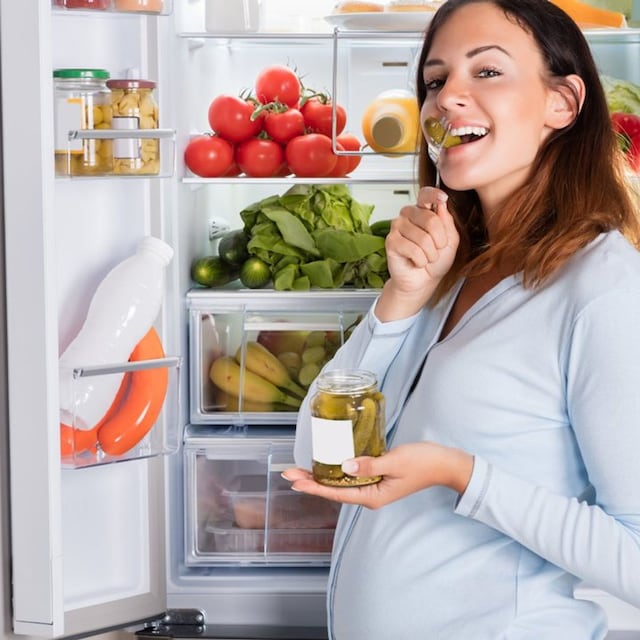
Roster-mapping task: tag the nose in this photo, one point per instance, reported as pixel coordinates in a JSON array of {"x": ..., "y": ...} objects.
[{"x": 453, "y": 94}]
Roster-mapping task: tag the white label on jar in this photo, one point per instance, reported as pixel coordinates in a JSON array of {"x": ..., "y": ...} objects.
[
  {"x": 68, "y": 118},
  {"x": 331, "y": 440},
  {"x": 126, "y": 147}
]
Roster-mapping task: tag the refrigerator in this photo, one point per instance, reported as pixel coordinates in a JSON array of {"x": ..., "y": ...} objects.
[{"x": 154, "y": 540}]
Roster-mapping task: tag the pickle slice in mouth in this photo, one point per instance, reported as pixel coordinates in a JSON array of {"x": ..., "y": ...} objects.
[{"x": 436, "y": 131}]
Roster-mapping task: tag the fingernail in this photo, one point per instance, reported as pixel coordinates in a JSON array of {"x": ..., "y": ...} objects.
[
  {"x": 284, "y": 475},
  {"x": 350, "y": 466},
  {"x": 443, "y": 197}
]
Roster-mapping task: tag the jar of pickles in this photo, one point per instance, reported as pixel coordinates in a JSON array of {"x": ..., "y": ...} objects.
[
  {"x": 82, "y": 101},
  {"x": 347, "y": 420},
  {"x": 134, "y": 107}
]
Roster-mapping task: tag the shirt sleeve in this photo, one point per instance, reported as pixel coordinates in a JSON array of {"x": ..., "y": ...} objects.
[
  {"x": 597, "y": 542},
  {"x": 372, "y": 346}
]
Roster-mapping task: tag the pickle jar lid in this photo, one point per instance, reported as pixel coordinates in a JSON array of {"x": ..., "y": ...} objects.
[
  {"x": 130, "y": 83},
  {"x": 346, "y": 381},
  {"x": 89, "y": 74}
]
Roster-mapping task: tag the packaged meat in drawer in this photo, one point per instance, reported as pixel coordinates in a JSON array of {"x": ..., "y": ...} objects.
[
  {"x": 254, "y": 354},
  {"x": 239, "y": 508}
]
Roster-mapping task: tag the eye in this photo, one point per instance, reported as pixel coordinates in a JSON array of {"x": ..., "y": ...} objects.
[
  {"x": 488, "y": 72},
  {"x": 432, "y": 84}
]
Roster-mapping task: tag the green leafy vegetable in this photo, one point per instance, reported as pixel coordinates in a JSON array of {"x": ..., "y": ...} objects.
[
  {"x": 622, "y": 95},
  {"x": 316, "y": 236}
]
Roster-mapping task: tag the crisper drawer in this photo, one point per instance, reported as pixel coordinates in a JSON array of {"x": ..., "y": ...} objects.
[
  {"x": 253, "y": 354},
  {"x": 239, "y": 510}
]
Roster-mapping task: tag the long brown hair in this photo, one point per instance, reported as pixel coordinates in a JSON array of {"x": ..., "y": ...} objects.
[{"x": 576, "y": 189}]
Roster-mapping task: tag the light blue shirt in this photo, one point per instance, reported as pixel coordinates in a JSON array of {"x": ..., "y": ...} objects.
[{"x": 542, "y": 386}]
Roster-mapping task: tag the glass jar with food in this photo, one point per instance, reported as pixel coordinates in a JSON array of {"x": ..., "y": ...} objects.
[
  {"x": 82, "y": 101},
  {"x": 347, "y": 420},
  {"x": 134, "y": 107}
]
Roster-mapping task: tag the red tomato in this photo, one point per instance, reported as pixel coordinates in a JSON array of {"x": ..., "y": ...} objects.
[
  {"x": 230, "y": 117},
  {"x": 310, "y": 155},
  {"x": 278, "y": 83},
  {"x": 208, "y": 156},
  {"x": 342, "y": 164},
  {"x": 284, "y": 125},
  {"x": 318, "y": 115},
  {"x": 350, "y": 143},
  {"x": 234, "y": 170},
  {"x": 259, "y": 158}
]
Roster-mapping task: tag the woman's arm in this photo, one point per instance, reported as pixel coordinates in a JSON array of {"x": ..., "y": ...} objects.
[{"x": 599, "y": 542}]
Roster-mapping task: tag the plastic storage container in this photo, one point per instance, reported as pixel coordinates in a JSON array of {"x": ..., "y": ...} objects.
[
  {"x": 134, "y": 107},
  {"x": 122, "y": 310},
  {"x": 300, "y": 331},
  {"x": 240, "y": 510},
  {"x": 82, "y": 101}
]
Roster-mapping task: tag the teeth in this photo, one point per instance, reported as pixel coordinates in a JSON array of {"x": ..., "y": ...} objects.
[{"x": 467, "y": 131}]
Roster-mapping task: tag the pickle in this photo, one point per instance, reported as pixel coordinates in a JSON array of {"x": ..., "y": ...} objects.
[
  {"x": 364, "y": 428},
  {"x": 334, "y": 407},
  {"x": 436, "y": 131},
  {"x": 329, "y": 473}
]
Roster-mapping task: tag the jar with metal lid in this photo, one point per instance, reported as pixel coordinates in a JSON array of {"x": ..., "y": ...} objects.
[
  {"x": 347, "y": 420},
  {"x": 134, "y": 107},
  {"x": 82, "y": 101}
]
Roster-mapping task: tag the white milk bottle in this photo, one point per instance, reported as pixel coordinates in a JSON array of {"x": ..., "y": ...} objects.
[{"x": 122, "y": 310}]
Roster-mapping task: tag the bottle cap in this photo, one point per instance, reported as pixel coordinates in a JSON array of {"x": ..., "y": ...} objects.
[
  {"x": 89, "y": 74},
  {"x": 130, "y": 83},
  {"x": 157, "y": 246}
]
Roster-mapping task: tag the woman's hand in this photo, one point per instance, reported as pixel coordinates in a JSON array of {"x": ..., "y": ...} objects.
[
  {"x": 420, "y": 247},
  {"x": 405, "y": 469}
]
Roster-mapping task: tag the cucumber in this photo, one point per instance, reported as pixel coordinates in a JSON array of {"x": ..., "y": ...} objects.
[
  {"x": 232, "y": 247},
  {"x": 254, "y": 273},
  {"x": 213, "y": 271},
  {"x": 381, "y": 228}
]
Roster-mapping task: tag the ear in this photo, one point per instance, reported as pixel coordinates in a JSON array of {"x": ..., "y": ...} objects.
[{"x": 565, "y": 102}]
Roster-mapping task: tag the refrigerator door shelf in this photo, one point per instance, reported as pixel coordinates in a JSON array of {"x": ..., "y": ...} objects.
[
  {"x": 300, "y": 329},
  {"x": 148, "y": 153},
  {"x": 140, "y": 421},
  {"x": 240, "y": 511}
]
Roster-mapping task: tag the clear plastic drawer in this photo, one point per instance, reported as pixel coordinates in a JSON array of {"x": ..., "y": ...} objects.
[
  {"x": 241, "y": 511},
  {"x": 253, "y": 355}
]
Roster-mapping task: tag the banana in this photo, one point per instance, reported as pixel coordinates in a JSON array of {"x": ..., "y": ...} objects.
[
  {"x": 226, "y": 374},
  {"x": 262, "y": 362},
  {"x": 228, "y": 402}
]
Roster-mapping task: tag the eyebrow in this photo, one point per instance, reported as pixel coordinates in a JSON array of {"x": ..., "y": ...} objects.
[{"x": 470, "y": 54}]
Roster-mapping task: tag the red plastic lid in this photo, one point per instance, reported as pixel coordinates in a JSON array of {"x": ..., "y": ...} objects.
[{"x": 130, "y": 83}]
